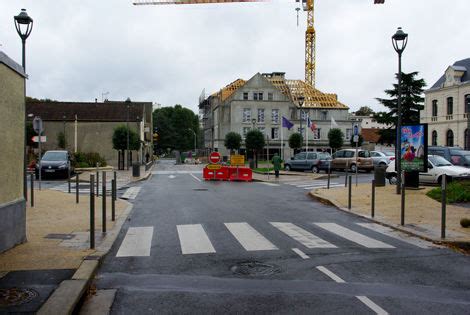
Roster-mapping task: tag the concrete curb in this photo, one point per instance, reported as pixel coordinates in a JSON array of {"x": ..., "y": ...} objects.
[
  {"x": 68, "y": 294},
  {"x": 397, "y": 227}
]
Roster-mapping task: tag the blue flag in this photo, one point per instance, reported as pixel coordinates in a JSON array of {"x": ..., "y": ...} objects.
[{"x": 286, "y": 123}]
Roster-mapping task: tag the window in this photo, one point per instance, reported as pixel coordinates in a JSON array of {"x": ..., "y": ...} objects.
[
  {"x": 245, "y": 130},
  {"x": 434, "y": 137},
  {"x": 349, "y": 154},
  {"x": 270, "y": 96},
  {"x": 275, "y": 133},
  {"x": 311, "y": 156},
  {"x": 258, "y": 96},
  {"x": 301, "y": 156},
  {"x": 467, "y": 103},
  {"x": 450, "y": 138},
  {"x": 245, "y": 96},
  {"x": 339, "y": 154},
  {"x": 324, "y": 115},
  {"x": 275, "y": 116},
  {"x": 434, "y": 108},
  {"x": 450, "y": 106},
  {"x": 261, "y": 115},
  {"x": 375, "y": 154},
  {"x": 247, "y": 115},
  {"x": 348, "y": 134}
]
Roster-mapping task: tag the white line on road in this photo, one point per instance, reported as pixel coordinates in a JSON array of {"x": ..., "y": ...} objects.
[
  {"x": 330, "y": 274},
  {"x": 300, "y": 253},
  {"x": 323, "y": 186},
  {"x": 353, "y": 236},
  {"x": 131, "y": 193},
  {"x": 194, "y": 240},
  {"x": 248, "y": 237},
  {"x": 302, "y": 236},
  {"x": 196, "y": 178},
  {"x": 398, "y": 235},
  {"x": 269, "y": 184},
  {"x": 137, "y": 242}
]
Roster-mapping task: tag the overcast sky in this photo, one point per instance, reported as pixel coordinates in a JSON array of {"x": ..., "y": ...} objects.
[{"x": 80, "y": 49}]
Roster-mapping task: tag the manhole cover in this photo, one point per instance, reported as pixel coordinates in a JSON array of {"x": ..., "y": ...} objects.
[
  {"x": 200, "y": 189},
  {"x": 60, "y": 236},
  {"x": 16, "y": 296},
  {"x": 255, "y": 268}
]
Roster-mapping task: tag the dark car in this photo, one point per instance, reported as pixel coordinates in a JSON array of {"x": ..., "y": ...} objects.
[
  {"x": 308, "y": 161},
  {"x": 455, "y": 155},
  {"x": 55, "y": 164}
]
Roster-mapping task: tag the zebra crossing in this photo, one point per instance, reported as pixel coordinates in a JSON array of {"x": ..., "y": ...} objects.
[
  {"x": 312, "y": 184},
  {"x": 194, "y": 238},
  {"x": 84, "y": 188}
]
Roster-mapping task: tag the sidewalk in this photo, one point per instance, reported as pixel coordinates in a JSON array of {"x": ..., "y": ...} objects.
[
  {"x": 422, "y": 214},
  {"x": 57, "y": 248},
  {"x": 285, "y": 177}
]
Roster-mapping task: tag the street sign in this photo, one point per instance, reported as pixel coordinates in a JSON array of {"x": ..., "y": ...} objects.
[
  {"x": 237, "y": 160},
  {"x": 214, "y": 166},
  {"x": 37, "y": 125},
  {"x": 356, "y": 130},
  {"x": 214, "y": 158},
  {"x": 356, "y": 139},
  {"x": 36, "y": 139}
]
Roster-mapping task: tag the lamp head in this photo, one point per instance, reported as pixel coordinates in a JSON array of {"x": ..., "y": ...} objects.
[
  {"x": 23, "y": 24},
  {"x": 399, "y": 40}
]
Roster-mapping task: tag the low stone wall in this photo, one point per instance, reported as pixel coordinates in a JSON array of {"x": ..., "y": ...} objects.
[{"x": 12, "y": 224}]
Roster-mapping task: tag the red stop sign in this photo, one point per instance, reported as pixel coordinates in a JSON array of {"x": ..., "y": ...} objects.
[{"x": 214, "y": 157}]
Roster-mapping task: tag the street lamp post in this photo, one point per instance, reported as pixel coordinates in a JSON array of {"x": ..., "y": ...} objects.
[
  {"x": 301, "y": 100},
  {"x": 128, "y": 104},
  {"x": 24, "y": 26},
  {"x": 399, "y": 41}
]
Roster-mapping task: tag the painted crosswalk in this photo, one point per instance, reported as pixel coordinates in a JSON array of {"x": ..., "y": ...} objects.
[
  {"x": 131, "y": 193},
  {"x": 303, "y": 239},
  {"x": 312, "y": 184}
]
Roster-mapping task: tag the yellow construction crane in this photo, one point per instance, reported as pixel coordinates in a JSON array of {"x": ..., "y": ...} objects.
[{"x": 310, "y": 36}]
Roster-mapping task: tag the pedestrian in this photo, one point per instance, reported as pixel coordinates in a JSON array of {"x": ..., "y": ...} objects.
[
  {"x": 277, "y": 164},
  {"x": 147, "y": 157}
]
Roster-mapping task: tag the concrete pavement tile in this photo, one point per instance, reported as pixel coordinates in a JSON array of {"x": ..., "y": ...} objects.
[{"x": 99, "y": 304}]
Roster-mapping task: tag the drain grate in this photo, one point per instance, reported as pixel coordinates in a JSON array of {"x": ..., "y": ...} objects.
[
  {"x": 55, "y": 236},
  {"x": 255, "y": 268},
  {"x": 16, "y": 296},
  {"x": 200, "y": 189}
]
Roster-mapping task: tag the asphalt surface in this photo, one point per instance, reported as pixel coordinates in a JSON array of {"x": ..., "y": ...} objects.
[{"x": 154, "y": 268}]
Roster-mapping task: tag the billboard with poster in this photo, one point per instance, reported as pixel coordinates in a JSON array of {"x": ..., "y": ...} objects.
[{"x": 414, "y": 148}]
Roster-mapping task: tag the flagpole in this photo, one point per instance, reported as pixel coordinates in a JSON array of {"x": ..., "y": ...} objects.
[
  {"x": 306, "y": 137},
  {"x": 282, "y": 142}
]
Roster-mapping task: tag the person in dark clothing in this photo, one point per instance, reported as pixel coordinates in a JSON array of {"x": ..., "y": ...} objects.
[{"x": 277, "y": 164}]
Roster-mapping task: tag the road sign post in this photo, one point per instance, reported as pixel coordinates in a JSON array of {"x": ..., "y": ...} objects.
[
  {"x": 38, "y": 128},
  {"x": 356, "y": 140}
]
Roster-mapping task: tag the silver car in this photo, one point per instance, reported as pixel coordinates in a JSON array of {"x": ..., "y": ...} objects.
[
  {"x": 308, "y": 161},
  {"x": 382, "y": 158}
]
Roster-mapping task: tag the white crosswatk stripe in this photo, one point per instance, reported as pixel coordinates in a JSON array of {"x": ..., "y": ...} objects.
[
  {"x": 300, "y": 253},
  {"x": 131, "y": 193},
  {"x": 248, "y": 237},
  {"x": 377, "y": 309},
  {"x": 137, "y": 242},
  {"x": 353, "y": 236},
  {"x": 331, "y": 185},
  {"x": 302, "y": 236},
  {"x": 397, "y": 235},
  {"x": 194, "y": 240}
]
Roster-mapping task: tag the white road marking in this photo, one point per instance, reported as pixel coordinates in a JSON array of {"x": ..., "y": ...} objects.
[
  {"x": 353, "y": 236},
  {"x": 396, "y": 234},
  {"x": 175, "y": 172},
  {"x": 194, "y": 240},
  {"x": 330, "y": 274},
  {"x": 248, "y": 237},
  {"x": 131, "y": 193},
  {"x": 137, "y": 242},
  {"x": 377, "y": 309},
  {"x": 270, "y": 184},
  {"x": 171, "y": 176},
  {"x": 196, "y": 178},
  {"x": 302, "y": 236},
  {"x": 300, "y": 253},
  {"x": 323, "y": 186}
]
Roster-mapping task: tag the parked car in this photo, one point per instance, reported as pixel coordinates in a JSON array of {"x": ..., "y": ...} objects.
[
  {"x": 437, "y": 166},
  {"x": 310, "y": 161},
  {"x": 55, "y": 163},
  {"x": 454, "y": 155},
  {"x": 346, "y": 159},
  {"x": 380, "y": 158}
]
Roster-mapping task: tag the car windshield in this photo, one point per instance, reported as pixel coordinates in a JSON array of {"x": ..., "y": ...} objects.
[
  {"x": 55, "y": 156},
  {"x": 437, "y": 160},
  {"x": 389, "y": 153}
]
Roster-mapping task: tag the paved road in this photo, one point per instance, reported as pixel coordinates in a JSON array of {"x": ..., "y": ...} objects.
[{"x": 196, "y": 247}]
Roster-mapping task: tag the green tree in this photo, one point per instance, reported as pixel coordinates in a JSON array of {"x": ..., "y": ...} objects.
[
  {"x": 172, "y": 125},
  {"x": 61, "y": 142},
  {"x": 335, "y": 138},
  {"x": 233, "y": 141},
  {"x": 120, "y": 141},
  {"x": 295, "y": 141},
  {"x": 364, "y": 111},
  {"x": 254, "y": 141},
  {"x": 359, "y": 143}
]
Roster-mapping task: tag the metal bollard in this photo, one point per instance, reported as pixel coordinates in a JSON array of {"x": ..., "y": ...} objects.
[
  {"x": 97, "y": 183},
  {"x": 32, "y": 190},
  {"x": 372, "y": 202},
  {"x": 115, "y": 185},
  {"x": 113, "y": 200},
  {"x": 76, "y": 189},
  {"x": 92, "y": 211},
  {"x": 329, "y": 175},
  {"x": 402, "y": 216},
  {"x": 346, "y": 179},
  {"x": 103, "y": 198},
  {"x": 443, "y": 202},
  {"x": 349, "y": 192},
  {"x": 68, "y": 182}
]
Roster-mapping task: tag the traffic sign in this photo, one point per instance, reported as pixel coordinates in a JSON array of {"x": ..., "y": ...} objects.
[
  {"x": 36, "y": 139},
  {"x": 356, "y": 130},
  {"x": 237, "y": 160},
  {"x": 214, "y": 166},
  {"x": 37, "y": 125},
  {"x": 214, "y": 157},
  {"x": 356, "y": 139}
]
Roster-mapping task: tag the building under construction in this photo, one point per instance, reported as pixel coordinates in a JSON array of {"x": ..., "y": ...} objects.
[{"x": 261, "y": 102}]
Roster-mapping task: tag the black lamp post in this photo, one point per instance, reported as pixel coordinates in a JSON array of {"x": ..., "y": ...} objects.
[
  {"x": 399, "y": 40},
  {"x": 24, "y": 26},
  {"x": 128, "y": 104}
]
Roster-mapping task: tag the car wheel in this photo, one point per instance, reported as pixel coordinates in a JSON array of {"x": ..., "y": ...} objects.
[
  {"x": 382, "y": 164},
  {"x": 353, "y": 168},
  {"x": 315, "y": 169},
  {"x": 392, "y": 180},
  {"x": 287, "y": 167}
]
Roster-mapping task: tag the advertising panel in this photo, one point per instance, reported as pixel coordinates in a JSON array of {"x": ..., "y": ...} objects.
[{"x": 414, "y": 148}]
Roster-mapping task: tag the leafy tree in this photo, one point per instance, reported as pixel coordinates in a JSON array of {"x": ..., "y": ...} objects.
[
  {"x": 254, "y": 141},
  {"x": 120, "y": 141},
  {"x": 335, "y": 138},
  {"x": 172, "y": 125},
  {"x": 44, "y": 100},
  {"x": 359, "y": 143},
  {"x": 364, "y": 111},
  {"x": 295, "y": 141},
  {"x": 233, "y": 141},
  {"x": 61, "y": 142}
]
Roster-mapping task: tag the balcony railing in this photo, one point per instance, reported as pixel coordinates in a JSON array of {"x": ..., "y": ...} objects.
[
  {"x": 449, "y": 117},
  {"x": 434, "y": 118}
]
